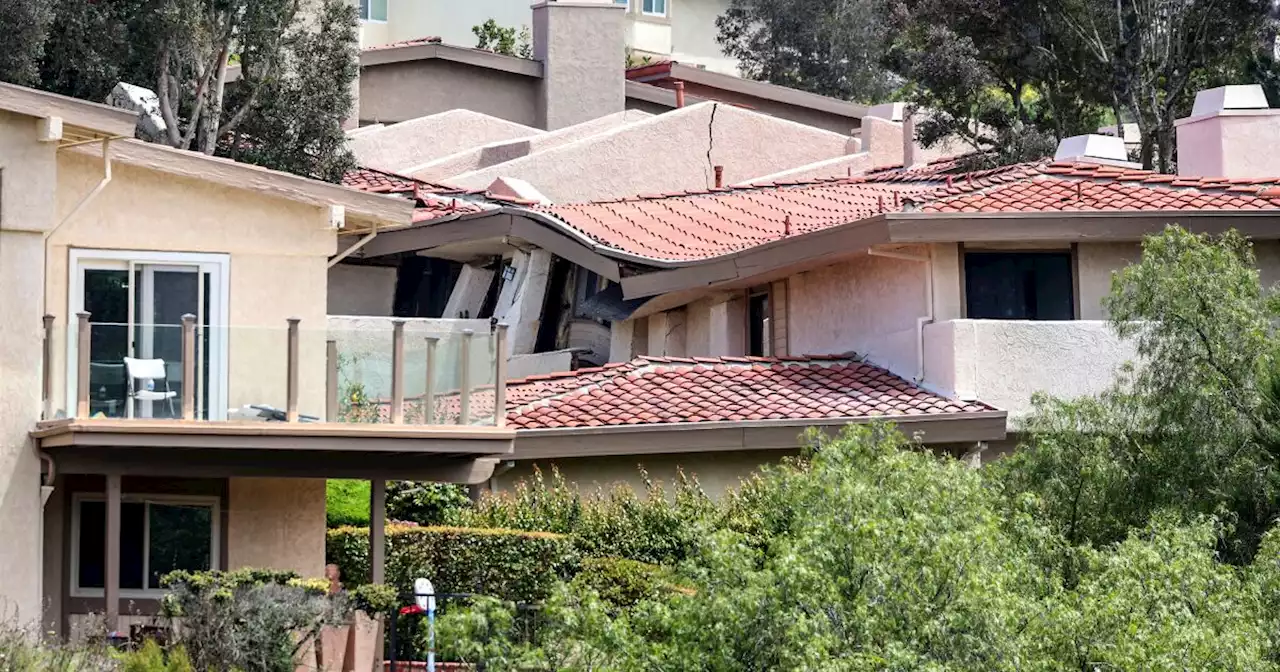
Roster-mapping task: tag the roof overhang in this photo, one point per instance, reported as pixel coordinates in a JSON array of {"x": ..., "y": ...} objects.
[
  {"x": 503, "y": 224},
  {"x": 432, "y": 50},
  {"x": 360, "y": 207},
  {"x": 80, "y": 118},
  {"x": 705, "y": 437},
  {"x": 781, "y": 258},
  {"x": 748, "y": 87},
  {"x": 311, "y": 450}
]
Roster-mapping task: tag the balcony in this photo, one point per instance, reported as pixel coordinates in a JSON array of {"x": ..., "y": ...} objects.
[
  {"x": 363, "y": 401},
  {"x": 1004, "y": 362}
]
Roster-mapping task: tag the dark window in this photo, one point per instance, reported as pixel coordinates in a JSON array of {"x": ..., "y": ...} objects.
[
  {"x": 1019, "y": 285},
  {"x": 758, "y": 324},
  {"x": 155, "y": 539}
]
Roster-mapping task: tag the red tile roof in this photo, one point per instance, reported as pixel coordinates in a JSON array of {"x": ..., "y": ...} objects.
[
  {"x": 665, "y": 390},
  {"x": 432, "y": 200},
  {"x": 694, "y": 226}
]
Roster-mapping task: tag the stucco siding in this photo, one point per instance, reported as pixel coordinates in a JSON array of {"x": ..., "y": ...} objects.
[
  {"x": 835, "y": 123},
  {"x": 278, "y": 267},
  {"x": 277, "y": 523},
  {"x": 401, "y": 146},
  {"x": 1095, "y": 263},
  {"x": 668, "y": 152},
  {"x": 394, "y": 92},
  {"x": 716, "y": 472},
  {"x": 693, "y": 35},
  {"x": 27, "y": 184},
  {"x": 1005, "y": 362},
  {"x": 868, "y": 305},
  {"x": 361, "y": 290}
]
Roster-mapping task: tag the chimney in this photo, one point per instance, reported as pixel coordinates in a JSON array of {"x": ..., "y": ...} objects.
[
  {"x": 1231, "y": 133},
  {"x": 1093, "y": 148},
  {"x": 580, "y": 44}
]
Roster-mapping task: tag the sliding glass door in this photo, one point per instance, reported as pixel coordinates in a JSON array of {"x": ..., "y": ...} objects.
[{"x": 136, "y": 301}]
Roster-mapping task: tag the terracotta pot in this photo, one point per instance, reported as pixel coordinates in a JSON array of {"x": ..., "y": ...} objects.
[
  {"x": 305, "y": 660},
  {"x": 333, "y": 648},
  {"x": 363, "y": 643}
]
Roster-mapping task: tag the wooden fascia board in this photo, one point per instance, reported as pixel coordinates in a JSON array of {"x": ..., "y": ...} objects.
[
  {"x": 731, "y": 436},
  {"x": 434, "y": 234},
  {"x": 198, "y": 166},
  {"x": 93, "y": 116},
  {"x": 166, "y": 462},
  {"x": 564, "y": 247},
  {"x": 932, "y": 227}
]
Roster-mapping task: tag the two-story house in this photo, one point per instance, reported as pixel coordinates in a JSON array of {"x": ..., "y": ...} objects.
[
  {"x": 944, "y": 297},
  {"x": 157, "y": 306},
  {"x": 683, "y": 30}
]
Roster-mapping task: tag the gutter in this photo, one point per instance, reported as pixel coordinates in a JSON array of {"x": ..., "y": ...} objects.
[
  {"x": 927, "y": 318},
  {"x": 93, "y": 193},
  {"x": 758, "y": 424}
]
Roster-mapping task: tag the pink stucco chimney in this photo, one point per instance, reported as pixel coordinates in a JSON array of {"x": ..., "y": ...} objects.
[
  {"x": 582, "y": 48},
  {"x": 1231, "y": 132}
]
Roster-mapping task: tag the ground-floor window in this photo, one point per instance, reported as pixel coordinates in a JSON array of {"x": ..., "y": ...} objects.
[
  {"x": 1019, "y": 285},
  {"x": 158, "y": 535}
]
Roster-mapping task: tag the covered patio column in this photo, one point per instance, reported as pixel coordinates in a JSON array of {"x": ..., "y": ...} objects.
[
  {"x": 111, "y": 561},
  {"x": 378, "y": 531}
]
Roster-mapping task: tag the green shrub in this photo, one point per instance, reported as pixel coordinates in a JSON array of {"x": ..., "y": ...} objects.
[
  {"x": 346, "y": 502},
  {"x": 510, "y": 564},
  {"x": 151, "y": 658},
  {"x": 23, "y": 649},
  {"x": 248, "y": 619},
  {"x": 658, "y": 526},
  {"x": 623, "y": 583}
]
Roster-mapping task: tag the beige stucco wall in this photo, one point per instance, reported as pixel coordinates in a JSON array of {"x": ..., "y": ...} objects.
[
  {"x": 693, "y": 35},
  {"x": 868, "y": 305},
  {"x": 665, "y": 153},
  {"x": 494, "y": 153},
  {"x": 395, "y": 92},
  {"x": 27, "y": 183},
  {"x": 278, "y": 253},
  {"x": 835, "y": 123},
  {"x": 716, "y": 472},
  {"x": 1228, "y": 145},
  {"x": 580, "y": 45},
  {"x": 1004, "y": 362},
  {"x": 417, "y": 141},
  {"x": 277, "y": 523},
  {"x": 361, "y": 290}
]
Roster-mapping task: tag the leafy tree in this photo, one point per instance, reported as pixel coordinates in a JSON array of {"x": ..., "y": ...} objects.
[
  {"x": 1194, "y": 428},
  {"x": 25, "y": 23},
  {"x": 264, "y": 81},
  {"x": 503, "y": 39},
  {"x": 833, "y": 49}
]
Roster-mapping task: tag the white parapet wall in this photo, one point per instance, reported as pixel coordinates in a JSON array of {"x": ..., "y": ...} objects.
[{"x": 1005, "y": 362}]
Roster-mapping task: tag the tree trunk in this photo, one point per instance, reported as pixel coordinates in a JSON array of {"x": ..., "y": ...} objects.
[{"x": 209, "y": 141}]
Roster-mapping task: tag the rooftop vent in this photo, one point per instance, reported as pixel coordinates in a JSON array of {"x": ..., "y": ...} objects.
[
  {"x": 1234, "y": 97},
  {"x": 1093, "y": 148}
]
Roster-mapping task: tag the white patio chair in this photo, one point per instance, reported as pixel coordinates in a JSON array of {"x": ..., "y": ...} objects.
[{"x": 153, "y": 370}]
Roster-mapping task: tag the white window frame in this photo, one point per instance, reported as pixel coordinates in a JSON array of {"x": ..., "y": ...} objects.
[
  {"x": 370, "y": 19},
  {"x": 215, "y": 551},
  {"x": 219, "y": 265},
  {"x": 654, "y": 3}
]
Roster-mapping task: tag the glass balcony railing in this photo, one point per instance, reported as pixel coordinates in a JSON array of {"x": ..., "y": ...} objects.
[{"x": 290, "y": 373}]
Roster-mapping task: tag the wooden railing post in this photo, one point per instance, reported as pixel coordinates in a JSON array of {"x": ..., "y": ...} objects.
[
  {"x": 188, "y": 367},
  {"x": 331, "y": 381},
  {"x": 500, "y": 377},
  {"x": 82, "y": 364},
  {"x": 464, "y": 378},
  {"x": 397, "y": 372},
  {"x": 291, "y": 373},
  {"x": 47, "y": 384},
  {"x": 429, "y": 395}
]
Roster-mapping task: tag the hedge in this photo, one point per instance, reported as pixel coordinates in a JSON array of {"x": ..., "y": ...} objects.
[{"x": 509, "y": 564}]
